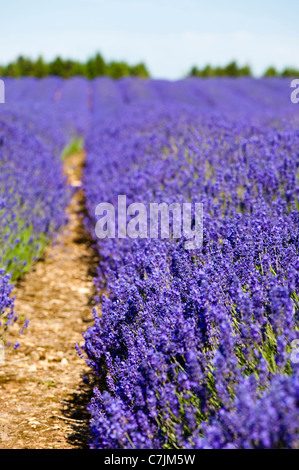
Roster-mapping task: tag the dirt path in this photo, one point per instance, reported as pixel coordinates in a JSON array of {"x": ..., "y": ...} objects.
[{"x": 42, "y": 396}]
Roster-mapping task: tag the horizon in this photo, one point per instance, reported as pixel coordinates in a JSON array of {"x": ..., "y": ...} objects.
[
  {"x": 216, "y": 71},
  {"x": 169, "y": 37}
]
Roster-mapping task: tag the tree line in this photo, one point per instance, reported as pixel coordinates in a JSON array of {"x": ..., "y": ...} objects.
[
  {"x": 234, "y": 70},
  {"x": 94, "y": 67}
]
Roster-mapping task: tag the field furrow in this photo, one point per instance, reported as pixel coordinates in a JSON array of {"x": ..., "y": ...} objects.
[{"x": 42, "y": 395}]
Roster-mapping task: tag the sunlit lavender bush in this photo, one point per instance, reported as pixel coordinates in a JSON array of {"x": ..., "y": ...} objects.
[
  {"x": 7, "y": 315},
  {"x": 33, "y": 192},
  {"x": 194, "y": 346},
  {"x": 33, "y": 196}
]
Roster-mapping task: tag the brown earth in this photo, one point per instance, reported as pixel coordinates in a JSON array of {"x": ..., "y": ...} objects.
[{"x": 42, "y": 396}]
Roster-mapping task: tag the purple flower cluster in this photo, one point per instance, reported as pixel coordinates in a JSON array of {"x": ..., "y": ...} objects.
[
  {"x": 7, "y": 315},
  {"x": 194, "y": 346},
  {"x": 32, "y": 190},
  {"x": 33, "y": 193}
]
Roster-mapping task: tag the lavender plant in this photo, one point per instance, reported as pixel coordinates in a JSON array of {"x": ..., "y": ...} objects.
[
  {"x": 193, "y": 345},
  {"x": 33, "y": 193}
]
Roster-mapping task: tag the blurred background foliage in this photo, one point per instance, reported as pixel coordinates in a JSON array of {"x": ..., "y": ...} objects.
[
  {"x": 234, "y": 70},
  {"x": 94, "y": 67}
]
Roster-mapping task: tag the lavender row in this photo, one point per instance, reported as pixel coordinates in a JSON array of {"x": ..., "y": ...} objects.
[
  {"x": 37, "y": 122},
  {"x": 195, "y": 347},
  {"x": 76, "y": 100},
  {"x": 33, "y": 194}
]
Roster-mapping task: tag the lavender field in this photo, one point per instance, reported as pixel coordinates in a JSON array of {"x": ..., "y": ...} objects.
[{"x": 189, "y": 349}]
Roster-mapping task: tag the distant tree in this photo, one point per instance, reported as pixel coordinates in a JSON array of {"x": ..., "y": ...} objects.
[
  {"x": 62, "y": 68},
  {"x": 95, "y": 67},
  {"x": 207, "y": 72},
  {"x": 40, "y": 69},
  {"x": 218, "y": 72},
  {"x": 231, "y": 70},
  {"x": 290, "y": 73},
  {"x": 118, "y": 70},
  {"x": 56, "y": 67},
  {"x": 79, "y": 69},
  {"x": 271, "y": 72},
  {"x": 245, "y": 71},
  {"x": 66, "y": 68},
  {"x": 139, "y": 70},
  {"x": 11, "y": 70},
  {"x": 194, "y": 72},
  {"x": 24, "y": 66}
]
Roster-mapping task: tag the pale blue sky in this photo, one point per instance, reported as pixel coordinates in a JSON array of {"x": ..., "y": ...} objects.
[{"x": 168, "y": 35}]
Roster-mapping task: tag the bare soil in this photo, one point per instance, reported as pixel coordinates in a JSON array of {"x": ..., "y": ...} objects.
[{"x": 42, "y": 396}]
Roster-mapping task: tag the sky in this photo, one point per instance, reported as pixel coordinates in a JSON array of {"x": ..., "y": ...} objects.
[{"x": 170, "y": 36}]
